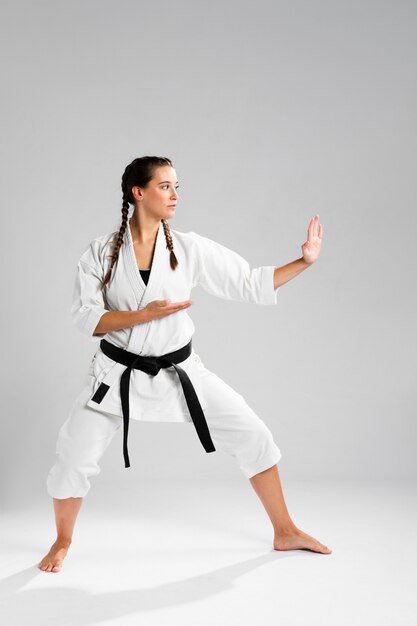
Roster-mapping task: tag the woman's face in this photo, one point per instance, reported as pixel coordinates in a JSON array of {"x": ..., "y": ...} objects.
[{"x": 160, "y": 197}]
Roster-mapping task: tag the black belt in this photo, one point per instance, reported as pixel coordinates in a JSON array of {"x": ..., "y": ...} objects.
[{"x": 151, "y": 365}]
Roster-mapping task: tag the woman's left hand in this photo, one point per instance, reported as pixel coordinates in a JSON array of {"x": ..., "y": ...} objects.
[{"x": 311, "y": 248}]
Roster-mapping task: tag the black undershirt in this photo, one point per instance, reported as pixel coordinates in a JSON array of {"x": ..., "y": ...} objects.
[{"x": 145, "y": 275}]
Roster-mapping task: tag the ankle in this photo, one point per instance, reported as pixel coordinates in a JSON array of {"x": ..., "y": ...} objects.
[
  {"x": 285, "y": 529},
  {"x": 64, "y": 541}
]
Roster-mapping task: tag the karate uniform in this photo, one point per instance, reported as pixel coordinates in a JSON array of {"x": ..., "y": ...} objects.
[{"x": 96, "y": 413}]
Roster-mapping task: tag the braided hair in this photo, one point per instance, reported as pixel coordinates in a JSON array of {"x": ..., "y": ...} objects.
[{"x": 138, "y": 174}]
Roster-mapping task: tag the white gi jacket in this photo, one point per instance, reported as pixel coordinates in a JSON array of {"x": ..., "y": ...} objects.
[{"x": 201, "y": 261}]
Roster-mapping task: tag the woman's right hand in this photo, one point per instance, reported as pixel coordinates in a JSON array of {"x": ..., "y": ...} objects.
[{"x": 161, "y": 308}]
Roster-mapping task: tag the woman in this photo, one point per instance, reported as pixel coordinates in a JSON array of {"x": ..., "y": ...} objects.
[{"x": 132, "y": 287}]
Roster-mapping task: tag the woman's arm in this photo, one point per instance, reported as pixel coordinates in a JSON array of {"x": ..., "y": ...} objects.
[
  {"x": 311, "y": 250},
  {"x": 116, "y": 320},
  {"x": 286, "y": 272}
]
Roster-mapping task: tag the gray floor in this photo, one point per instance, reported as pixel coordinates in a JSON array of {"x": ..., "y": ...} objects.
[{"x": 200, "y": 553}]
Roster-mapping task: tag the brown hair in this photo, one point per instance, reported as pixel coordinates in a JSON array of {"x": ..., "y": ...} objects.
[{"x": 138, "y": 174}]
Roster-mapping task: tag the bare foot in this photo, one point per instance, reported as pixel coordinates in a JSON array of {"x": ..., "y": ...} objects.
[
  {"x": 52, "y": 562},
  {"x": 297, "y": 540}
]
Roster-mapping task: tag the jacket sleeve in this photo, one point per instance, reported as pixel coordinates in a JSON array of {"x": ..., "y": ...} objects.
[
  {"x": 88, "y": 303},
  {"x": 225, "y": 274}
]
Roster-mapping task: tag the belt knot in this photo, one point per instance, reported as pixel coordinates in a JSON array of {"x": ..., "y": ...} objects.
[{"x": 148, "y": 364}]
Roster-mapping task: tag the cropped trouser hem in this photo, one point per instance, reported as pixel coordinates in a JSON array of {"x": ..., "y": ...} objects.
[{"x": 267, "y": 461}]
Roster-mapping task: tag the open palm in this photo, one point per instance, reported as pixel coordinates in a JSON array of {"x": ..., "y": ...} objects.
[{"x": 311, "y": 248}]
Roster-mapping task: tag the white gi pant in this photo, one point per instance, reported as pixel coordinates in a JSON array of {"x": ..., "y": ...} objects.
[{"x": 234, "y": 428}]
